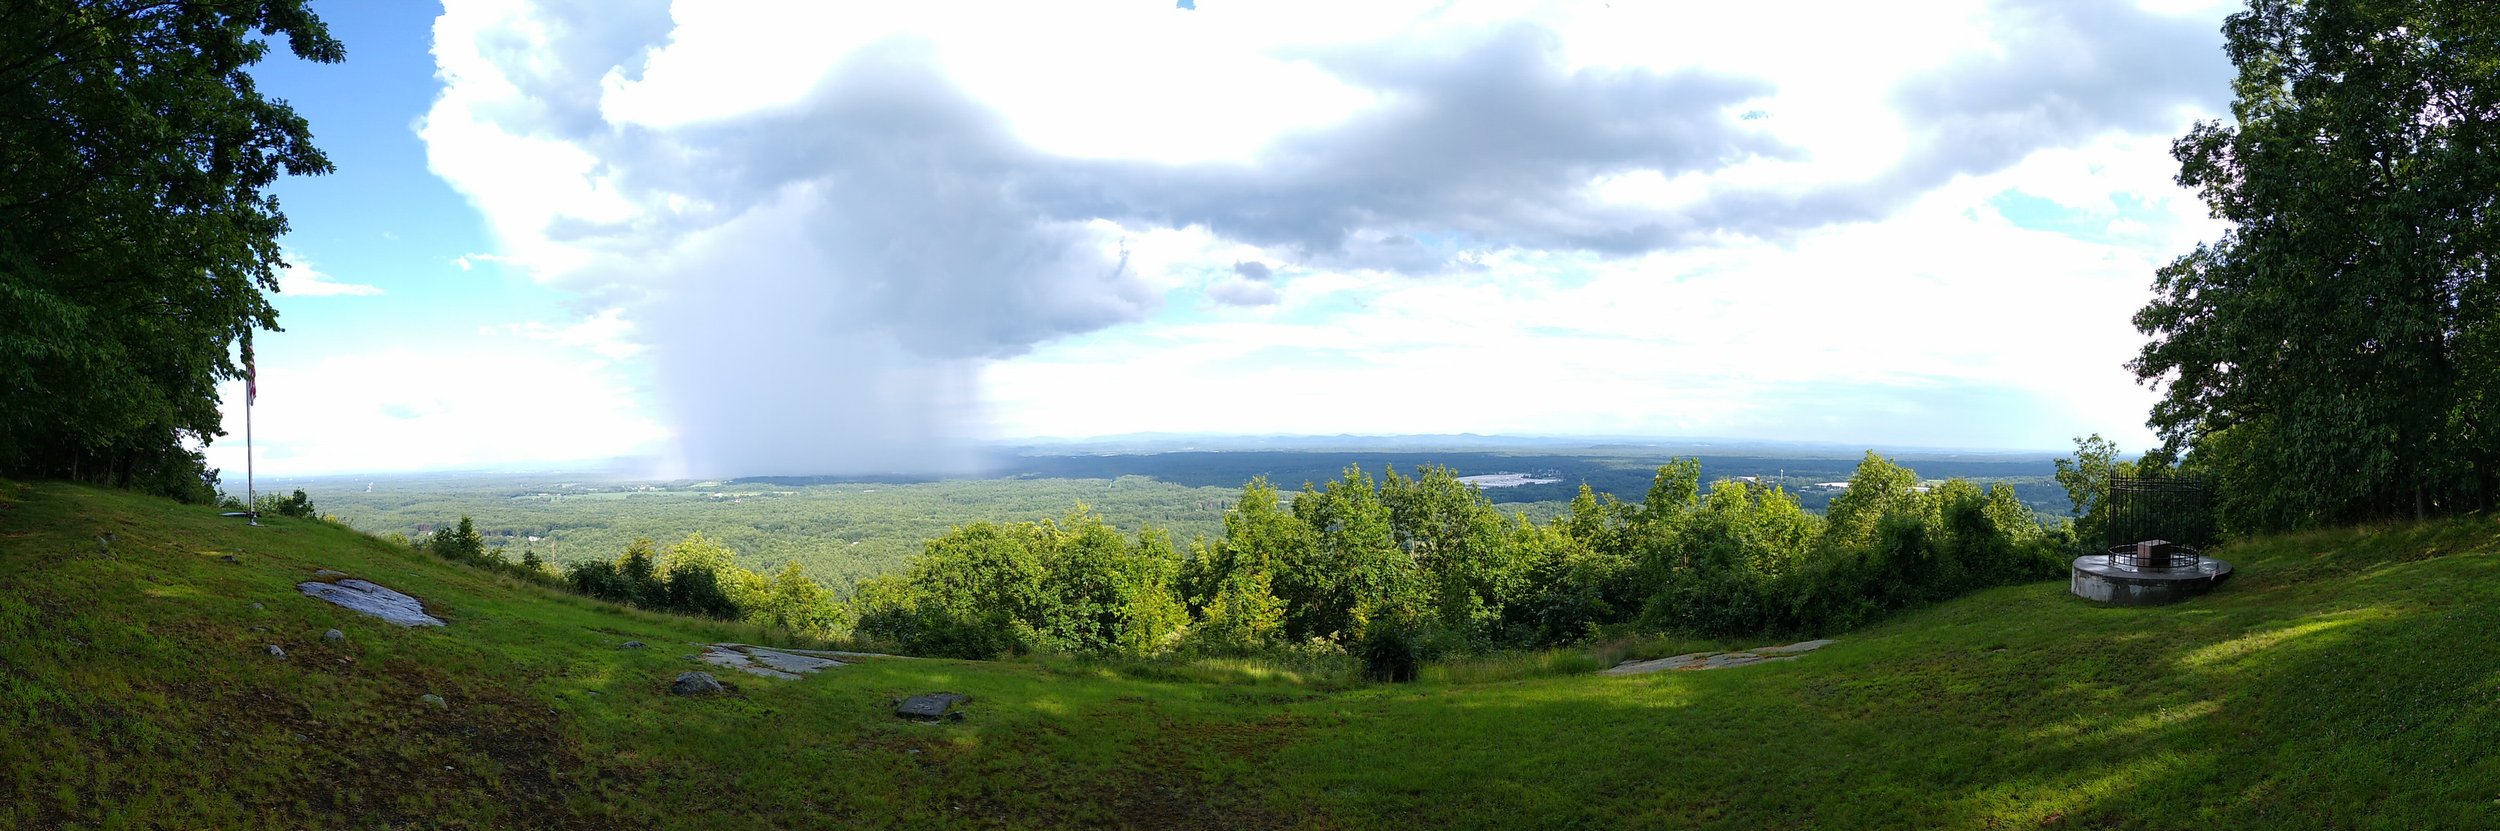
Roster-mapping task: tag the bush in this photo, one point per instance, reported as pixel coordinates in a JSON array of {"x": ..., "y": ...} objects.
[
  {"x": 297, "y": 505},
  {"x": 1389, "y": 653}
]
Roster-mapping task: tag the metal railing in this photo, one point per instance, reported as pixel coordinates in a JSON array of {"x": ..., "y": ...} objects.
[
  {"x": 2158, "y": 508},
  {"x": 2155, "y": 555}
]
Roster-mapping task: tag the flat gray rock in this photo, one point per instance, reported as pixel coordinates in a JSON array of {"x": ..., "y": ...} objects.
[
  {"x": 760, "y": 661},
  {"x": 368, "y": 598},
  {"x": 733, "y": 659},
  {"x": 1718, "y": 660},
  {"x": 788, "y": 662},
  {"x": 1729, "y": 659},
  {"x": 944, "y": 706},
  {"x": 695, "y": 683}
]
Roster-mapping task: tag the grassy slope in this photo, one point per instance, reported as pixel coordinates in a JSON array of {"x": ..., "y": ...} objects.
[{"x": 2344, "y": 680}]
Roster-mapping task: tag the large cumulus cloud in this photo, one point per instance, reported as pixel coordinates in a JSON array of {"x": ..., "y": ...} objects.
[{"x": 818, "y": 279}]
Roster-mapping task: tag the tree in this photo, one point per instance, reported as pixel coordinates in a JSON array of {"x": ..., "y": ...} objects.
[
  {"x": 1243, "y": 617},
  {"x": 1878, "y": 487},
  {"x": 136, "y": 239},
  {"x": 1461, "y": 547},
  {"x": 465, "y": 541},
  {"x": 1356, "y": 572},
  {"x": 637, "y": 572},
  {"x": 2345, "y": 326},
  {"x": 794, "y": 602}
]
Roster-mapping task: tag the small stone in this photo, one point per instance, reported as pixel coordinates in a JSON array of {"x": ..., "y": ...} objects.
[
  {"x": 274, "y": 651},
  {"x": 434, "y": 701},
  {"x": 257, "y": 607},
  {"x": 633, "y": 645},
  {"x": 695, "y": 683},
  {"x": 334, "y": 636},
  {"x": 231, "y": 558},
  {"x": 260, "y": 628},
  {"x": 74, "y": 641}
]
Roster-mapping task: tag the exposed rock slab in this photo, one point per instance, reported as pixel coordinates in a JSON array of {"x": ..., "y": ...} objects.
[
  {"x": 371, "y": 599},
  {"x": 768, "y": 663},
  {"x": 1798, "y": 648},
  {"x": 1719, "y": 660}
]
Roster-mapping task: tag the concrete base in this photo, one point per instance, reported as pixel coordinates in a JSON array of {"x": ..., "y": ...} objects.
[{"x": 2097, "y": 579}]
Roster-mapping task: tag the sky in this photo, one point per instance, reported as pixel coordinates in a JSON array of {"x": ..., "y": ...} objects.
[{"x": 800, "y": 237}]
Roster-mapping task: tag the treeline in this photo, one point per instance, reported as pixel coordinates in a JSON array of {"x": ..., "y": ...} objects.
[
  {"x": 1389, "y": 572},
  {"x": 696, "y": 576},
  {"x": 1406, "y": 569}
]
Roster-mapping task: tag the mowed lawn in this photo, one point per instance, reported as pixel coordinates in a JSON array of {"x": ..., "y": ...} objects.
[{"x": 2343, "y": 679}]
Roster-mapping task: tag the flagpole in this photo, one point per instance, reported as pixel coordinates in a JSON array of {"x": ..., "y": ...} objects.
[{"x": 251, "y": 390}]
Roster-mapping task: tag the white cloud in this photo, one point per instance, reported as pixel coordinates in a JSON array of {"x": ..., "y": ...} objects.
[
  {"x": 606, "y": 334},
  {"x": 1845, "y": 334},
  {"x": 300, "y": 279},
  {"x": 1241, "y": 291},
  {"x": 495, "y": 401},
  {"x": 470, "y": 261},
  {"x": 1708, "y": 219}
]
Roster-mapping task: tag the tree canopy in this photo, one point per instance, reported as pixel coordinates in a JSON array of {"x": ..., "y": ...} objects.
[
  {"x": 2335, "y": 356},
  {"x": 137, "y": 242}
]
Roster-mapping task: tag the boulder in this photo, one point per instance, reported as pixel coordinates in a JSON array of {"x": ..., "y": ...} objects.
[
  {"x": 695, "y": 683},
  {"x": 274, "y": 651},
  {"x": 434, "y": 701},
  {"x": 941, "y": 706},
  {"x": 334, "y": 636}
]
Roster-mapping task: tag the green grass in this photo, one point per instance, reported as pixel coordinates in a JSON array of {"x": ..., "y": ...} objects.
[{"x": 2345, "y": 679}]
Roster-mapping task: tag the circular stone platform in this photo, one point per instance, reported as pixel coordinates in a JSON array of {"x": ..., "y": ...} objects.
[{"x": 2097, "y": 578}]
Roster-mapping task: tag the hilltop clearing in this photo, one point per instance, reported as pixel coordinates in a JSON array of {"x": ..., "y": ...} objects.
[{"x": 2344, "y": 679}]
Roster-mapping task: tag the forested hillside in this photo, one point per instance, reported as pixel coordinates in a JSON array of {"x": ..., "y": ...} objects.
[
  {"x": 837, "y": 533},
  {"x": 842, "y": 530}
]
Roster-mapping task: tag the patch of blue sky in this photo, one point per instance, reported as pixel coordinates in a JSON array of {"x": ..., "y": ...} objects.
[
  {"x": 383, "y": 219},
  {"x": 2036, "y": 213}
]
